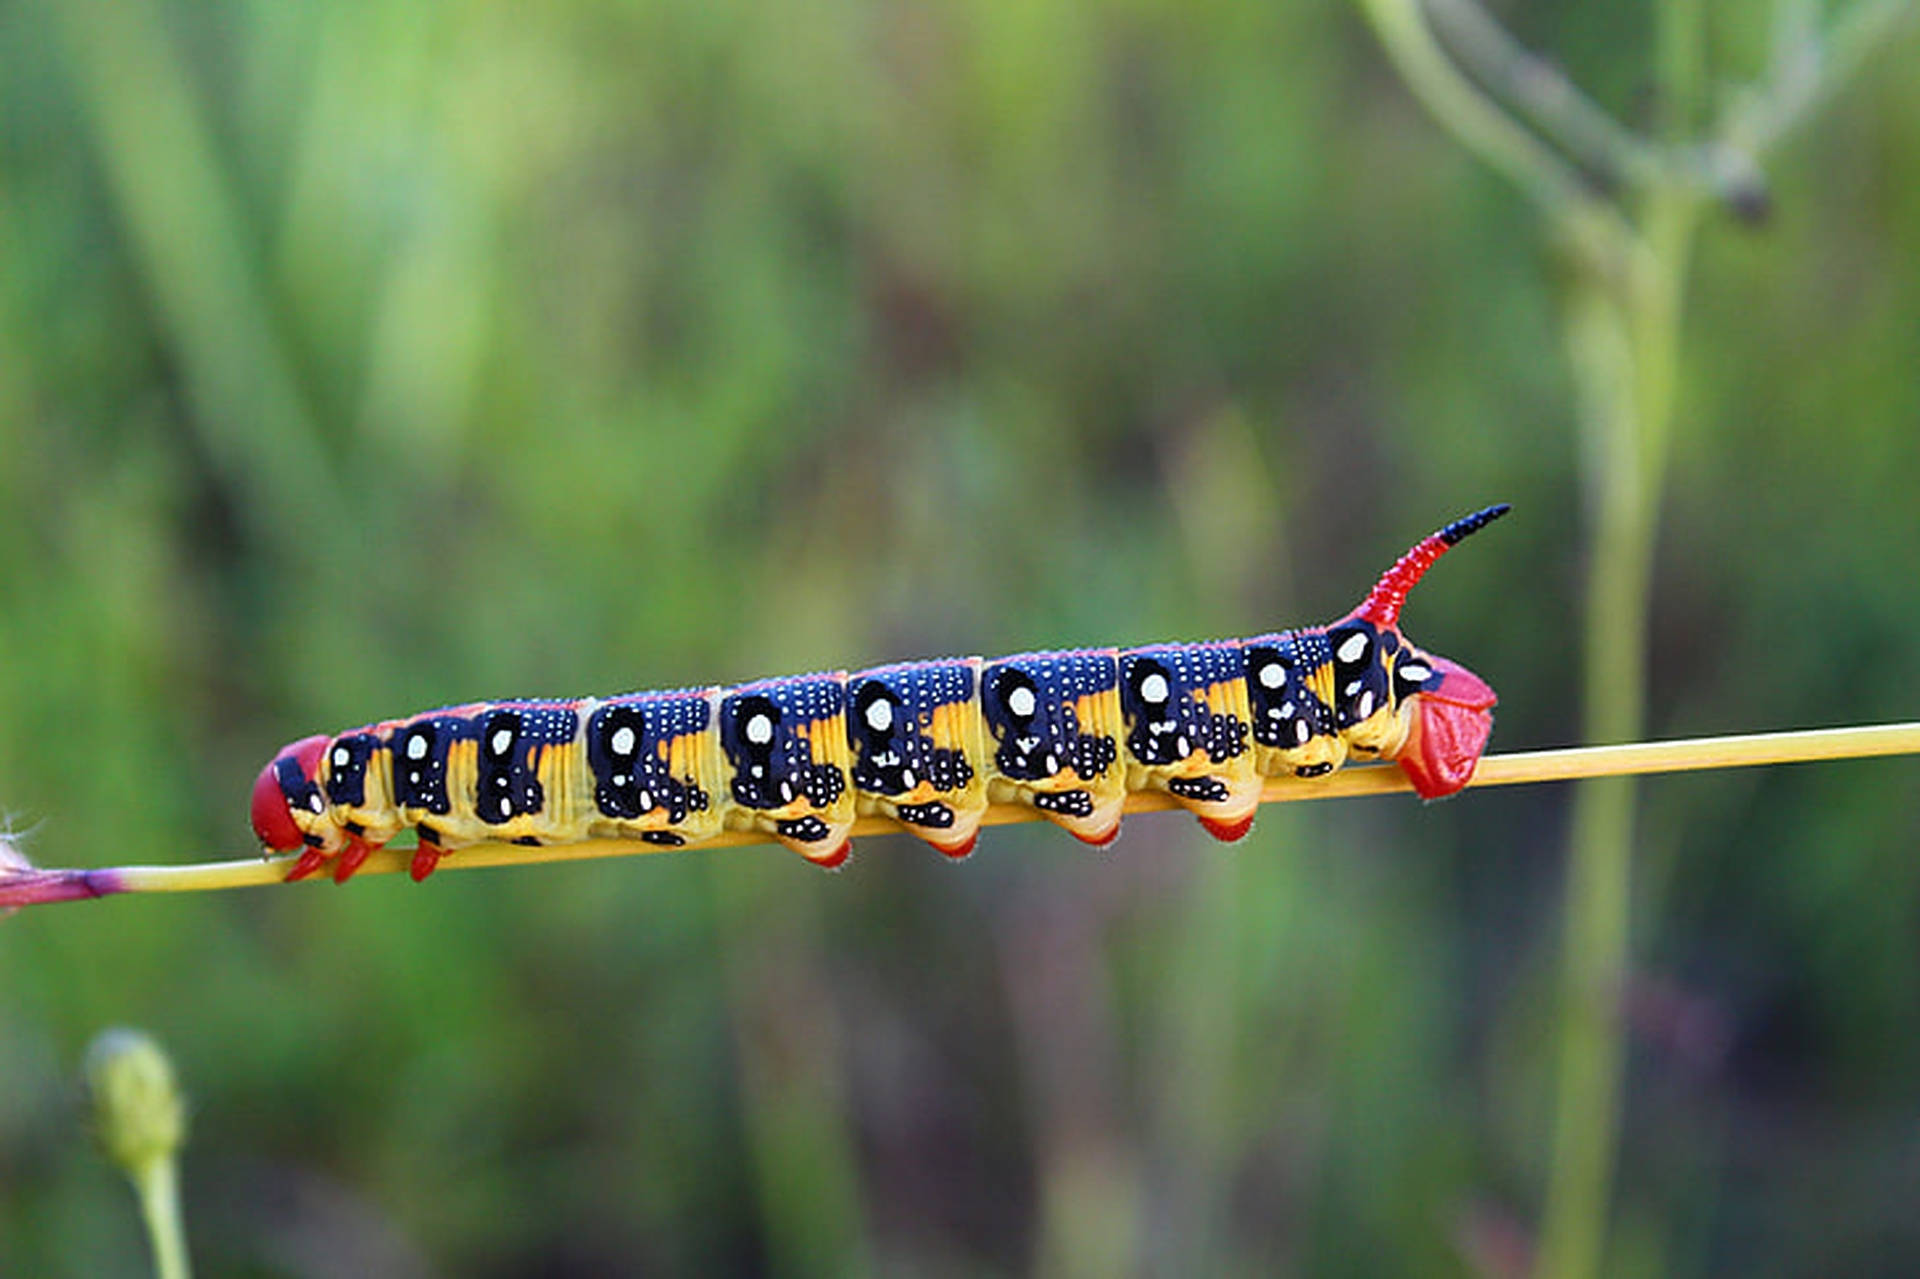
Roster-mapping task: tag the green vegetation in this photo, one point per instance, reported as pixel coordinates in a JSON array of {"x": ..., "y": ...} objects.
[
  {"x": 140, "y": 1119},
  {"x": 359, "y": 358}
]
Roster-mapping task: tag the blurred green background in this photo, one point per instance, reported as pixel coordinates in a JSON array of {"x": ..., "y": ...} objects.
[{"x": 360, "y": 358}]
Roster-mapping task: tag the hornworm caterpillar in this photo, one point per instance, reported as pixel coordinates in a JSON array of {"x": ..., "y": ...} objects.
[{"x": 930, "y": 744}]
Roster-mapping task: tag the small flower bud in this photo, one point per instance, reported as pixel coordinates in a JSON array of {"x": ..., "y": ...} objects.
[{"x": 138, "y": 1112}]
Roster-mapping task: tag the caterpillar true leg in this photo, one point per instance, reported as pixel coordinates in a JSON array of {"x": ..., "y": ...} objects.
[{"x": 930, "y": 744}]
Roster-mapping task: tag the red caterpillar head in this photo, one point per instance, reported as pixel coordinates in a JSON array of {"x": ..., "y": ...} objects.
[
  {"x": 1452, "y": 709},
  {"x": 1449, "y": 731},
  {"x": 288, "y": 784}
]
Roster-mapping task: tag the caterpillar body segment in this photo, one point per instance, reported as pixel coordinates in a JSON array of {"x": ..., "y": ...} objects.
[
  {"x": 656, "y": 767},
  {"x": 1054, "y": 723},
  {"x": 931, "y": 744},
  {"x": 1187, "y": 714},
  {"x": 785, "y": 742},
  {"x": 918, "y": 738}
]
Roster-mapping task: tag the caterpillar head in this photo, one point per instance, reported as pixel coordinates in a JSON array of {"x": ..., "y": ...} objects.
[
  {"x": 289, "y": 811},
  {"x": 1447, "y": 709},
  {"x": 1448, "y": 731}
]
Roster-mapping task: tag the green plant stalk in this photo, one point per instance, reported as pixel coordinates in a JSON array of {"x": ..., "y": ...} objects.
[
  {"x": 158, "y": 1186},
  {"x": 1623, "y": 340}
]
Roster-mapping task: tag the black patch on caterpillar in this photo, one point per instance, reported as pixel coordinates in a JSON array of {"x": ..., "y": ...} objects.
[
  {"x": 529, "y": 841},
  {"x": 626, "y": 750},
  {"x": 1413, "y": 673},
  {"x": 419, "y": 750},
  {"x": 509, "y": 783},
  {"x": 1359, "y": 677},
  {"x": 1027, "y": 702},
  {"x": 1160, "y": 696},
  {"x": 427, "y": 834},
  {"x": 1205, "y": 790},
  {"x": 1286, "y": 713},
  {"x": 808, "y": 829},
  {"x": 296, "y": 787},
  {"x": 664, "y": 838},
  {"x": 935, "y": 816},
  {"x": 503, "y": 790},
  {"x": 772, "y": 762},
  {"x": 892, "y": 756},
  {"x": 347, "y": 758},
  {"x": 1068, "y": 803},
  {"x": 1313, "y": 770}
]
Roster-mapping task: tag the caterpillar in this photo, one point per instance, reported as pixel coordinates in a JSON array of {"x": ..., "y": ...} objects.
[{"x": 930, "y": 744}]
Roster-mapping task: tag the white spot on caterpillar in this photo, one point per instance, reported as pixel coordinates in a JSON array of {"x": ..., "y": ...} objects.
[
  {"x": 1052, "y": 765},
  {"x": 906, "y": 778},
  {"x": 1353, "y": 686},
  {"x": 1286, "y": 710},
  {"x": 1154, "y": 688},
  {"x": 417, "y": 746},
  {"x": 786, "y": 791},
  {"x": 880, "y": 715},
  {"x": 413, "y": 775},
  {"x": 502, "y": 741},
  {"x": 1301, "y": 732},
  {"x": 1415, "y": 672},
  {"x": 1181, "y": 746},
  {"x": 645, "y": 800},
  {"x": 760, "y": 730},
  {"x": 1273, "y": 675},
  {"x": 313, "y": 802},
  {"x": 340, "y": 757},
  {"x": 1020, "y": 701},
  {"x": 622, "y": 742},
  {"x": 1353, "y": 647},
  {"x": 1366, "y": 705},
  {"x": 619, "y": 779}
]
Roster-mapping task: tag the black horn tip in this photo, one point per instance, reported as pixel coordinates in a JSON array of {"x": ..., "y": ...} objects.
[{"x": 1472, "y": 523}]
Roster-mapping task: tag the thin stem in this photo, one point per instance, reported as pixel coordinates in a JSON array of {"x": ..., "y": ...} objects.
[
  {"x": 1623, "y": 339},
  {"x": 25, "y": 886},
  {"x": 158, "y": 1187},
  {"x": 1459, "y": 105},
  {"x": 1556, "y": 106},
  {"x": 1808, "y": 65},
  {"x": 1679, "y": 65},
  {"x": 1623, "y": 336}
]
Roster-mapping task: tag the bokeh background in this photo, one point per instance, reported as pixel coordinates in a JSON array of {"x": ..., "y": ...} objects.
[{"x": 363, "y": 357}]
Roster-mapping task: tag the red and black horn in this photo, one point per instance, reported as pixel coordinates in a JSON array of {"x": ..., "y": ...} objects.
[{"x": 1383, "y": 603}]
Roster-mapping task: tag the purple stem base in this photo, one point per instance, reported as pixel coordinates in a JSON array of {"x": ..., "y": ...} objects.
[{"x": 32, "y": 887}]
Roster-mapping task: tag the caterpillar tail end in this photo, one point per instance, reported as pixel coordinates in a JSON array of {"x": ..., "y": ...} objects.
[
  {"x": 960, "y": 851},
  {"x": 833, "y": 860},
  {"x": 1097, "y": 839},
  {"x": 1228, "y": 832}
]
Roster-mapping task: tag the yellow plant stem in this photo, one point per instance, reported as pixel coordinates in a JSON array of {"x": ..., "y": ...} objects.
[{"x": 1496, "y": 770}]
